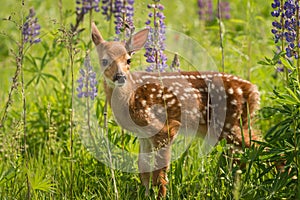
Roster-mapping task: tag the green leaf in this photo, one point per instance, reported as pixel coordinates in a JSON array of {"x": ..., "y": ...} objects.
[
  {"x": 43, "y": 61},
  {"x": 293, "y": 95},
  {"x": 51, "y": 76},
  {"x": 7, "y": 175},
  {"x": 39, "y": 182},
  {"x": 287, "y": 63}
]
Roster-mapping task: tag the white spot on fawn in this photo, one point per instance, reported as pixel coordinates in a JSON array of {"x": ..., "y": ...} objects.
[
  {"x": 192, "y": 77},
  {"x": 239, "y": 91},
  {"x": 167, "y": 96},
  {"x": 171, "y": 103},
  {"x": 144, "y": 103},
  {"x": 170, "y": 89},
  {"x": 230, "y": 91},
  {"x": 149, "y": 77},
  {"x": 160, "y": 110},
  {"x": 233, "y": 102},
  {"x": 228, "y": 125},
  {"x": 188, "y": 89},
  {"x": 225, "y": 134},
  {"x": 176, "y": 92},
  {"x": 195, "y": 110}
]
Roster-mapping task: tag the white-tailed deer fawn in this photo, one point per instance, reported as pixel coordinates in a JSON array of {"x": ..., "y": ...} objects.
[{"x": 158, "y": 106}]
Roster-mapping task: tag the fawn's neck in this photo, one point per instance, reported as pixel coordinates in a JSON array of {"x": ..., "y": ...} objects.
[{"x": 122, "y": 93}]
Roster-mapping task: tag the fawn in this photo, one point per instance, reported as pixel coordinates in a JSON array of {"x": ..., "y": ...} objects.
[{"x": 157, "y": 106}]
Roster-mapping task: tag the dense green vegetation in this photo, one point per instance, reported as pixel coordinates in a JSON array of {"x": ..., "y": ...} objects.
[{"x": 46, "y": 158}]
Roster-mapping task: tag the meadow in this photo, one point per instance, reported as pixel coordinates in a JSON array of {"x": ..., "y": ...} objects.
[{"x": 43, "y": 146}]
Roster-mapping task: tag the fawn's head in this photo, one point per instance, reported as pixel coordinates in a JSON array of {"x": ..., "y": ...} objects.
[{"x": 115, "y": 57}]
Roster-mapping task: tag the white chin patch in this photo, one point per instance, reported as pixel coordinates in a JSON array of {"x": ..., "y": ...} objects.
[{"x": 119, "y": 84}]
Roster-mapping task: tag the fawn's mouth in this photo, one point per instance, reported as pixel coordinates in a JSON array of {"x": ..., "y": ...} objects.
[{"x": 119, "y": 79}]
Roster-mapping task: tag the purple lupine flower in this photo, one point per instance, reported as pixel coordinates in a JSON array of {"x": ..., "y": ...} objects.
[
  {"x": 123, "y": 13},
  {"x": 107, "y": 9},
  {"x": 87, "y": 83},
  {"x": 31, "y": 28},
  {"x": 205, "y": 10},
  {"x": 84, "y": 6},
  {"x": 155, "y": 44},
  {"x": 225, "y": 10},
  {"x": 285, "y": 29},
  {"x": 118, "y": 14},
  {"x": 290, "y": 25},
  {"x": 129, "y": 13}
]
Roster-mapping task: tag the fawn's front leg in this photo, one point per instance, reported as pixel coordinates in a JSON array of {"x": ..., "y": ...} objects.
[
  {"x": 162, "y": 145},
  {"x": 159, "y": 176},
  {"x": 144, "y": 162}
]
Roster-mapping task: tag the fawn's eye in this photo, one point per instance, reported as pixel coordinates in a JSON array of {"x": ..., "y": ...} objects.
[
  {"x": 128, "y": 61},
  {"x": 104, "y": 62}
]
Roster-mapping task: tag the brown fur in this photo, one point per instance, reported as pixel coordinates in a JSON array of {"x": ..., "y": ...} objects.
[{"x": 154, "y": 105}]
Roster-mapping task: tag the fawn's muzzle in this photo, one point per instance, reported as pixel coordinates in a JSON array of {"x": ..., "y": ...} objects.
[{"x": 120, "y": 78}]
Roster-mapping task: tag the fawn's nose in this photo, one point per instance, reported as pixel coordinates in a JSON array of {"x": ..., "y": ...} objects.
[{"x": 119, "y": 78}]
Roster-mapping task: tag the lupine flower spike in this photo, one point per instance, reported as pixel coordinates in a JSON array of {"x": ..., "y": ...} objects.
[
  {"x": 123, "y": 13},
  {"x": 87, "y": 83},
  {"x": 155, "y": 44},
  {"x": 206, "y": 12},
  {"x": 285, "y": 27},
  {"x": 84, "y": 6},
  {"x": 225, "y": 10},
  {"x": 107, "y": 9},
  {"x": 31, "y": 29}
]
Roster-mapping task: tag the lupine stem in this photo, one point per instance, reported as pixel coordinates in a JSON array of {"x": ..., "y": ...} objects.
[
  {"x": 282, "y": 39},
  {"x": 296, "y": 145},
  {"x": 60, "y": 11},
  {"x": 155, "y": 36},
  {"x": 221, "y": 34},
  {"x": 71, "y": 119},
  {"x": 298, "y": 37},
  {"x": 249, "y": 45},
  {"x": 20, "y": 63},
  {"x": 9, "y": 100},
  {"x": 109, "y": 153}
]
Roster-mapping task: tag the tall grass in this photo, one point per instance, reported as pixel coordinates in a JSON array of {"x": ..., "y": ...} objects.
[{"x": 58, "y": 164}]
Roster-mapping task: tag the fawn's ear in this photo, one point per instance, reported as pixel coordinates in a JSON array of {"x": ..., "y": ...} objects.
[
  {"x": 137, "y": 41},
  {"x": 96, "y": 35}
]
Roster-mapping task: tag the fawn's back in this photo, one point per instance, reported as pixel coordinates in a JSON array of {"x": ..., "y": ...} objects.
[{"x": 198, "y": 101}]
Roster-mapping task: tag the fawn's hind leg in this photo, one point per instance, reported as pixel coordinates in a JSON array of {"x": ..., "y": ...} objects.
[{"x": 240, "y": 136}]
